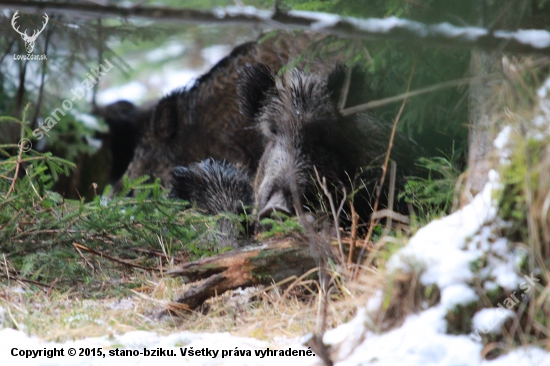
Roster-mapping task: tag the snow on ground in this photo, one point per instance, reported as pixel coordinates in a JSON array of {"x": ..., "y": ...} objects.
[
  {"x": 210, "y": 346},
  {"x": 444, "y": 249},
  {"x": 441, "y": 248}
]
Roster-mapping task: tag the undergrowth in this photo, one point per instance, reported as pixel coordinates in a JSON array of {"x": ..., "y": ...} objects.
[
  {"x": 117, "y": 246},
  {"x": 435, "y": 194},
  {"x": 47, "y": 239},
  {"x": 524, "y": 205}
]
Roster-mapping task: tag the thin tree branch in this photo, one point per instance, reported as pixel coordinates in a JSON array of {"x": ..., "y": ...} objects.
[
  {"x": 383, "y": 177},
  {"x": 391, "y": 28},
  {"x": 335, "y": 213},
  {"x": 414, "y": 93}
]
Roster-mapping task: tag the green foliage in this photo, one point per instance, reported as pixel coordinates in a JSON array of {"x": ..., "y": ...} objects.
[
  {"x": 520, "y": 180},
  {"x": 433, "y": 196},
  {"x": 436, "y": 120},
  {"x": 459, "y": 319},
  {"x": 281, "y": 225},
  {"x": 68, "y": 137},
  {"x": 46, "y": 237}
]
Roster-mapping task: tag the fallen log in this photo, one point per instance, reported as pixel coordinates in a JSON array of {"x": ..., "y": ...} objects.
[{"x": 246, "y": 267}]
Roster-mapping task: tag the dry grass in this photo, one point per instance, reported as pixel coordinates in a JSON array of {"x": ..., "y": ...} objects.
[
  {"x": 288, "y": 310},
  {"x": 528, "y": 182},
  {"x": 292, "y": 309}
]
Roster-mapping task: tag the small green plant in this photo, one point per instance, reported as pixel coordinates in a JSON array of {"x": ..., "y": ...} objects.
[
  {"x": 433, "y": 196},
  {"x": 281, "y": 225},
  {"x": 47, "y": 238}
]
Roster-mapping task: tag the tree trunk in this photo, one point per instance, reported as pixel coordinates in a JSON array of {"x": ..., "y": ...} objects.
[{"x": 481, "y": 122}]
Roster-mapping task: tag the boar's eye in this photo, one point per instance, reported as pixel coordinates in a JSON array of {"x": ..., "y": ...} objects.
[{"x": 273, "y": 129}]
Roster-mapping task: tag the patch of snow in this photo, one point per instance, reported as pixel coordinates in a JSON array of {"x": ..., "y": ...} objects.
[
  {"x": 177, "y": 79},
  {"x": 349, "y": 335},
  {"x": 94, "y": 143},
  {"x": 457, "y": 294},
  {"x": 421, "y": 340},
  {"x": 320, "y": 20},
  {"x": 449, "y": 30},
  {"x": 541, "y": 121},
  {"x": 501, "y": 144},
  {"x": 535, "y": 37},
  {"x": 445, "y": 250},
  {"x": 168, "y": 51},
  {"x": 490, "y": 286},
  {"x": 133, "y": 91},
  {"x": 213, "y": 54},
  {"x": 123, "y": 304},
  {"x": 374, "y": 303},
  {"x": 88, "y": 120},
  {"x": 502, "y": 265},
  {"x": 138, "y": 340},
  {"x": 249, "y": 11},
  {"x": 438, "y": 247},
  {"x": 82, "y": 317},
  {"x": 528, "y": 356},
  {"x": 18, "y": 290},
  {"x": 490, "y": 320},
  {"x": 542, "y": 92},
  {"x": 387, "y": 24}
]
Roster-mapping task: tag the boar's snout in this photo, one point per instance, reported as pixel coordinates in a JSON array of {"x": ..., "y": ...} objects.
[{"x": 278, "y": 202}]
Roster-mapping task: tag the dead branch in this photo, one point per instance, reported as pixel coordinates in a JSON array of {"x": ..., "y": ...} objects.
[
  {"x": 397, "y": 98},
  {"x": 391, "y": 28},
  {"x": 103, "y": 255},
  {"x": 335, "y": 213},
  {"x": 243, "y": 268},
  {"x": 384, "y": 169}
]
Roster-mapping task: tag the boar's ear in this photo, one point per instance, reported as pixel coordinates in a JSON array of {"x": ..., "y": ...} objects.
[
  {"x": 182, "y": 183},
  {"x": 357, "y": 92},
  {"x": 254, "y": 84},
  {"x": 165, "y": 117}
]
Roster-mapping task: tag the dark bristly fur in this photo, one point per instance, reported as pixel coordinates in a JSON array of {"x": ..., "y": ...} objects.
[
  {"x": 203, "y": 122},
  {"x": 126, "y": 122},
  {"x": 215, "y": 187},
  {"x": 302, "y": 129}
]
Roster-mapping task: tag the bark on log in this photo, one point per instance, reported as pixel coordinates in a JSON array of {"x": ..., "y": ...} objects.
[{"x": 244, "y": 268}]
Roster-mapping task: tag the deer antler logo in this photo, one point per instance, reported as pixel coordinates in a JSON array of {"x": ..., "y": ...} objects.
[{"x": 29, "y": 40}]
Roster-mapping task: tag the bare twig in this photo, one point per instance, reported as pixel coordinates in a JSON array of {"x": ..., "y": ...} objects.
[
  {"x": 391, "y": 215},
  {"x": 393, "y": 173},
  {"x": 335, "y": 214},
  {"x": 103, "y": 255},
  {"x": 76, "y": 246},
  {"x": 296, "y": 282},
  {"x": 384, "y": 169},
  {"x": 345, "y": 90},
  {"x": 354, "y": 227},
  {"x": 400, "y": 97}
]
